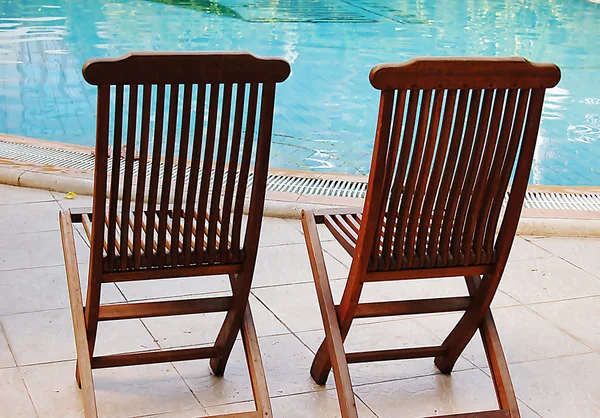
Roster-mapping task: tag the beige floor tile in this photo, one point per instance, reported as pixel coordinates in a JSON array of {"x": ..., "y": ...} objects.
[
  {"x": 286, "y": 363},
  {"x": 561, "y": 387},
  {"x": 525, "y": 336},
  {"x": 141, "y": 390},
  {"x": 289, "y": 264},
  {"x": 47, "y": 336},
  {"x": 11, "y": 195},
  {"x": 178, "y": 331},
  {"x": 13, "y": 395},
  {"x": 404, "y": 333},
  {"x": 525, "y": 250},
  {"x": 37, "y": 250},
  {"x": 463, "y": 391},
  {"x": 231, "y": 408},
  {"x": 6, "y": 357},
  {"x": 547, "y": 279},
  {"x": 582, "y": 252},
  {"x": 322, "y": 404},
  {"x": 526, "y": 411},
  {"x": 54, "y": 390},
  {"x": 276, "y": 231},
  {"x": 167, "y": 288},
  {"x": 337, "y": 251},
  {"x": 578, "y": 317},
  {"x": 44, "y": 288},
  {"x": 79, "y": 201},
  {"x": 29, "y": 217},
  {"x": 297, "y": 306}
]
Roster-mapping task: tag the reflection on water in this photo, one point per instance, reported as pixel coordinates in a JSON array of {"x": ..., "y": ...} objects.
[{"x": 326, "y": 111}]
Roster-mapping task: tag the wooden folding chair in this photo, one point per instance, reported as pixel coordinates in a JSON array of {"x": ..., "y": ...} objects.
[
  {"x": 449, "y": 133},
  {"x": 158, "y": 214}
]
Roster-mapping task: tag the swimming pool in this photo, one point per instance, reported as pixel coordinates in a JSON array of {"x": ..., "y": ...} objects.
[{"x": 326, "y": 112}]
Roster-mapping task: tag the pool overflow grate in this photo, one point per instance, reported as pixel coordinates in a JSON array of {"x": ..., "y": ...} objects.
[{"x": 312, "y": 185}]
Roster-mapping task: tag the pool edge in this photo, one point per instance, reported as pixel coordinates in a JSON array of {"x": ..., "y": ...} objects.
[{"x": 541, "y": 222}]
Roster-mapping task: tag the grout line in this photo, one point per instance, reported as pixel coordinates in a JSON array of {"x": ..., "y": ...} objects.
[{"x": 562, "y": 258}]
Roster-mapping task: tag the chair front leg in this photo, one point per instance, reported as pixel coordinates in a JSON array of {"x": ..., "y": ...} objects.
[
  {"x": 84, "y": 367},
  {"x": 333, "y": 337}
]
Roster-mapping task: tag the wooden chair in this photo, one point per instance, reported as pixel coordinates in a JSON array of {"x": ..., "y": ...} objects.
[
  {"x": 158, "y": 215},
  {"x": 450, "y": 134}
]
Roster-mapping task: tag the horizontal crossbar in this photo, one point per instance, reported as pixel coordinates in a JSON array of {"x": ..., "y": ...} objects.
[
  {"x": 397, "y": 354},
  {"x": 164, "y": 308},
  {"x": 431, "y": 273},
  {"x": 149, "y": 357},
  {"x": 171, "y": 272},
  {"x": 412, "y": 307},
  {"x": 500, "y": 413},
  {"x": 250, "y": 414}
]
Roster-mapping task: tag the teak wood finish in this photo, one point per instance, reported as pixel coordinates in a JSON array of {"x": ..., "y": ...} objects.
[
  {"x": 202, "y": 123},
  {"x": 451, "y": 134}
]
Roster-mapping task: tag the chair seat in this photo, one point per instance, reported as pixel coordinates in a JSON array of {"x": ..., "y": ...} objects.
[
  {"x": 138, "y": 255},
  {"x": 345, "y": 225}
]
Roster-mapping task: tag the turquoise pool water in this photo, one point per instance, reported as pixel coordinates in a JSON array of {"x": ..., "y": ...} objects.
[{"x": 326, "y": 111}]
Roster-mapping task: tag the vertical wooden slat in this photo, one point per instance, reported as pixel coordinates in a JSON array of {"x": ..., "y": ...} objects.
[
  {"x": 181, "y": 172},
  {"x": 399, "y": 180},
  {"x": 215, "y": 202},
  {"x": 233, "y": 168},
  {"x": 384, "y": 129},
  {"x": 141, "y": 179},
  {"x": 447, "y": 176},
  {"x": 188, "y": 239},
  {"x": 244, "y": 172},
  {"x": 163, "y": 212},
  {"x": 459, "y": 176},
  {"x": 423, "y": 177},
  {"x": 474, "y": 167},
  {"x": 128, "y": 175},
  {"x": 500, "y": 153},
  {"x": 411, "y": 181},
  {"x": 509, "y": 160},
  {"x": 154, "y": 176},
  {"x": 518, "y": 188},
  {"x": 481, "y": 182},
  {"x": 391, "y": 169},
  {"x": 209, "y": 150},
  {"x": 114, "y": 178},
  {"x": 261, "y": 167},
  {"x": 426, "y": 224}
]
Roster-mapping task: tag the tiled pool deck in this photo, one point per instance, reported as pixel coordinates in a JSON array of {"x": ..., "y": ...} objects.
[{"x": 547, "y": 313}]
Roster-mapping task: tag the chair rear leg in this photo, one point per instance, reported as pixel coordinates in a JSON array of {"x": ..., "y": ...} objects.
[
  {"x": 255, "y": 366},
  {"x": 84, "y": 375},
  {"x": 505, "y": 392},
  {"x": 240, "y": 284}
]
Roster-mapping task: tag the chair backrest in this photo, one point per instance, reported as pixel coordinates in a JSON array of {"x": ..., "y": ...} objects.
[
  {"x": 451, "y": 134},
  {"x": 180, "y": 137}
]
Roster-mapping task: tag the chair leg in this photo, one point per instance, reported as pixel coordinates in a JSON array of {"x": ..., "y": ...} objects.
[
  {"x": 464, "y": 331},
  {"x": 240, "y": 286},
  {"x": 505, "y": 392},
  {"x": 255, "y": 366},
  {"x": 333, "y": 346},
  {"x": 84, "y": 367}
]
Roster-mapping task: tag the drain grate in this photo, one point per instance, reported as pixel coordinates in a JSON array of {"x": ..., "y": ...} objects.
[
  {"x": 289, "y": 183},
  {"x": 562, "y": 201}
]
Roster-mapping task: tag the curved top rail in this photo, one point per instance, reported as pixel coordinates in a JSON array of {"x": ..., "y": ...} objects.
[
  {"x": 464, "y": 73},
  {"x": 184, "y": 68}
]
